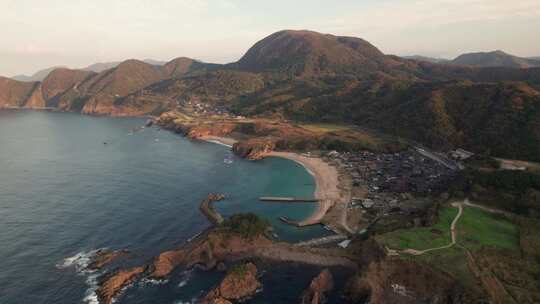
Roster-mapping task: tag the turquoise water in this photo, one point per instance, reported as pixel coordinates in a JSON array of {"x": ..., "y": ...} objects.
[{"x": 64, "y": 193}]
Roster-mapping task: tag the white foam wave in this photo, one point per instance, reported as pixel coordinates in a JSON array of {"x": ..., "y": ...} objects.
[
  {"x": 90, "y": 295},
  {"x": 80, "y": 260},
  {"x": 218, "y": 143},
  {"x": 148, "y": 281},
  {"x": 186, "y": 276}
]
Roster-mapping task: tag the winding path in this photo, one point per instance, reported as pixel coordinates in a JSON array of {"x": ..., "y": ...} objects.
[{"x": 452, "y": 231}]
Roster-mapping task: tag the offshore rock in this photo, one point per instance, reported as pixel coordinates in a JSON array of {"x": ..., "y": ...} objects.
[
  {"x": 239, "y": 284},
  {"x": 320, "y": 285}
]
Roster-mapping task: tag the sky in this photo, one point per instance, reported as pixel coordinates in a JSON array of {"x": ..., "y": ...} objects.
[{"x": 38, "y": 34}]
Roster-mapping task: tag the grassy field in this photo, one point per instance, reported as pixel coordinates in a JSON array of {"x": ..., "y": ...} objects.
[
  {"x": 422, "y": 238},
  {"x": 477, "y": 228},
  {"x": 325, "y": 128}
]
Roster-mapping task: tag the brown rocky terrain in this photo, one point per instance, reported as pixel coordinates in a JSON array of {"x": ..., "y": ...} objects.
[
  {"x": 319, "y": 286},
  {"x": 15, "y": 93},
  {"x": 105, "y": 257},
  {"x": 61, "y": 80},
  {"x": 239, "y": 284},
  {"x": 405, "y": 281},
  {"x": 114, "y": 283}
]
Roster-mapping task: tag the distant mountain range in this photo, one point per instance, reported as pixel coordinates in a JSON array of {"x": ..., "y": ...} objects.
[
  {"x": 96, "y": 67},
  {"x": 495, "y": 59},
  {"x": 309, "y": 76},
  {"x": 427, "y": 59},
  {"x": 485, "y": 59}
]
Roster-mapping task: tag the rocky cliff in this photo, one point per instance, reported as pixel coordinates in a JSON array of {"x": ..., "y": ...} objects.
[{"x": 239, "y": 284}]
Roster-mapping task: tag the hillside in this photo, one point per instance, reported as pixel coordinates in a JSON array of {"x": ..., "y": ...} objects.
[
  {"x": 61, "y": 80},
  {"x": 217, "y": 88},
  {"x": 494, "y": 118},
  {"x": 97, "y": 94},
  {"x": 304, "y": 53},
  {"x": 313, "y": 77},
  {"x": 495, "y": 59},
  {"x": 15, "y": 93},
  {"x": 37, "y": 76}
]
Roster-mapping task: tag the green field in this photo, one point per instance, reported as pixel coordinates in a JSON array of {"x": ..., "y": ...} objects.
[
  {"x": 325, "y": 128},
  {"x": 477, "y": 228},
  {"x": 422, "y": 238}
]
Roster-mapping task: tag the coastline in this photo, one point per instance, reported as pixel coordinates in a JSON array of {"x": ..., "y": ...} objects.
[
  {"x": 224, "y": 141},
  {"x": 326, "y": 184}
]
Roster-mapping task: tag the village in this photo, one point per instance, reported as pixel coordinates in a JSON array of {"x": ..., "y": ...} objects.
[{"x": 388, "y": 181}]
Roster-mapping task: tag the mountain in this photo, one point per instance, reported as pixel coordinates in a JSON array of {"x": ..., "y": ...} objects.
[
  {"x": 304, "y": 53},
  {"x": 96, "y": 95},
  {"x": 217, "y": 87},
  {"x": 59, "y": 81},
  {"x": 314, "y": 77},
  {"x": 180, "y": 66},
  {"x": 102, "y": 66},
  {"x": 15, "y": 93},
  {"x": 426, "y": 59},
  {"x": 38, "y": 76},
  {"x": 495, "y": 59},
  {"x": 500, "y": 119}
]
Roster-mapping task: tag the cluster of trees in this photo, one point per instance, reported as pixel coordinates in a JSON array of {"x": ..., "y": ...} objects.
[
  {"x": 514, "y": 191},
  {"x": 249, "y": 225}
]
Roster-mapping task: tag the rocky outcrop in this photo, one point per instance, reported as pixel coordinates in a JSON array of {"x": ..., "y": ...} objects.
[
  {"x": 211, "y": 248},
  {"x": 15, "y": 93},
  {"x": 113, "y": 284},
  {"x": 255, "y": 148},
  {"x": 103, "y": 258},
  {"x": 316, "y": 293},
  {"x": 404, "y": 281},
  {"x": 239, "y": 284}
]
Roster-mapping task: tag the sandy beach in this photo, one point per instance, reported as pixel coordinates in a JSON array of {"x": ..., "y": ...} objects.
[
  {"x": 226, "y": 141},
  {"x": 326, "y": 179}
]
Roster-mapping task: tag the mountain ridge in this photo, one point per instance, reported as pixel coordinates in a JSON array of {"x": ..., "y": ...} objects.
[{"x": 309, "y": 76}]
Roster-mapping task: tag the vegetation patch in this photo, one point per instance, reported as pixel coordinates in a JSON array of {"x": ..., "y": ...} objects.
[
  {"x": 478, "y": 228},
  {"x": 249, "y": 225},
  {"x": 422, "y": 238}
]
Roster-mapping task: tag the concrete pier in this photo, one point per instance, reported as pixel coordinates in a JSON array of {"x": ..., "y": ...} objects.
[{"x": 287, "y": 199}]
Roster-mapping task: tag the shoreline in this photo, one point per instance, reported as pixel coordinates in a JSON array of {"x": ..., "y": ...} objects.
[
  {"x": 326, "y": 178},
  {"x": 326, "y": 184},
  {"x": 224, "y": 141}
]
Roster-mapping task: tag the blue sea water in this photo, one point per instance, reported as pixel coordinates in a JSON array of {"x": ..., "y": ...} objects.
[{"x": 65, "y": 193}]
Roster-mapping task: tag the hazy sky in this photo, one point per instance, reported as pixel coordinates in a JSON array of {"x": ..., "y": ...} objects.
[{"x": 38, "y": 34}]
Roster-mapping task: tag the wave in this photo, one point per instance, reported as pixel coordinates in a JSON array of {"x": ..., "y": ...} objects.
[
  {"x": 186, "y": 276},
  {"x": 218, "y": 143},
  {"x": 80, "y": 262},
  {"x": 148, "y": 281}
]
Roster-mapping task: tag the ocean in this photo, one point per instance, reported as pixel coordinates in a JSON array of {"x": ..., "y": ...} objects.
[{"x": 71, "y": 184}]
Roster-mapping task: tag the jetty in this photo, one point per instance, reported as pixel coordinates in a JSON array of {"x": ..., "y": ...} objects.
[
  {"x": 208, "y": 210},
  {"x": 278, "y": 199}
]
